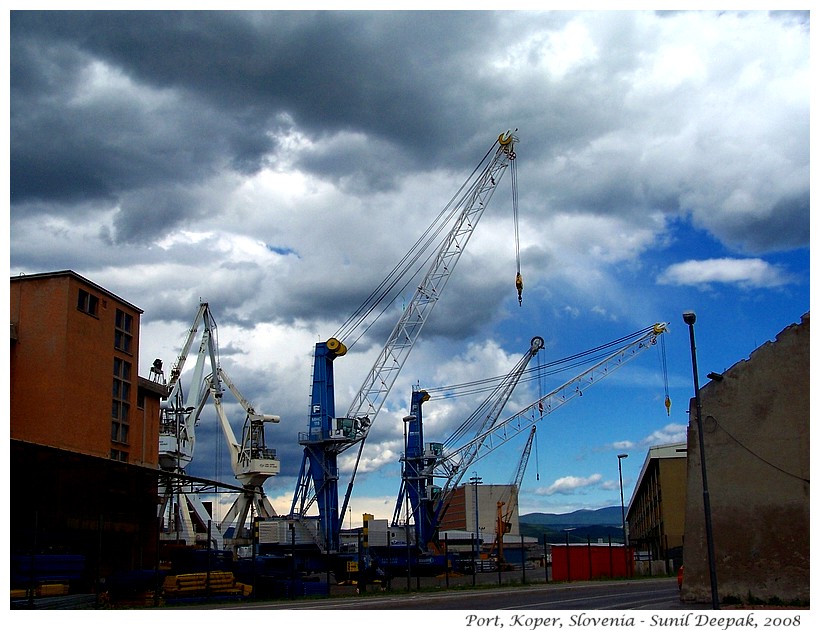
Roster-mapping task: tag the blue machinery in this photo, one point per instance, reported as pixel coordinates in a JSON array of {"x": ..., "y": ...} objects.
[
  {"x": 328, "y": 435},
  {"x": 423, "y": 462}
]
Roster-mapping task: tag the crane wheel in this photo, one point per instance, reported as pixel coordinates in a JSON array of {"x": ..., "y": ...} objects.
[{"x": 505, "y": 141}]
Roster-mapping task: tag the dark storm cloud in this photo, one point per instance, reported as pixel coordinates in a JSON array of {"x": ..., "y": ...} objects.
[
  {"x": 785, "y": 227},
  {"x": 152, "y": 120},
  {"x": 227, "y": 76}
]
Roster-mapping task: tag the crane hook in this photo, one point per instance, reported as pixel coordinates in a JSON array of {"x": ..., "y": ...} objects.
[{"x": 519, "y": 285}]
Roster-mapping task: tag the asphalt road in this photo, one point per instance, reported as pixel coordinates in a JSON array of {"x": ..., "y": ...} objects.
[{"x": 639, "y": 594}]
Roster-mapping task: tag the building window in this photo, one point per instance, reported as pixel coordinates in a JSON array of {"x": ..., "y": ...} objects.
[
  {"x": 118, "y": 455},
  {"x": 120, "y": 401},
  {"x": 88, "y": 303},
  {"x": 122, "y": 331}
]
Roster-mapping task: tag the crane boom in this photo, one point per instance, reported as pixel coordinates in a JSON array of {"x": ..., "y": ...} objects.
[
  {"x": 522, "y": 463},
  {"x": 503, "y": 519},
  {"x": 424, "y": 462},
  {"x": 376, "y": 386},
  {"x": 251, "y": 460},
  {"x": 480, "y": 446},
  {"x": 470, "y": 453}
]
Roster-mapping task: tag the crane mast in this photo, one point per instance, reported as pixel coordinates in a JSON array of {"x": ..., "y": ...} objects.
[
  {"x": 327, "y": 435},
  {"x": 367, "y": 403}
]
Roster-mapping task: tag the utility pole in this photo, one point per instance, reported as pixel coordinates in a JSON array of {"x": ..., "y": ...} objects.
[
  {"x": 689, "y": 319},
  {"x": 623, "y": 514},
  {"x": 476, "y": 480}
]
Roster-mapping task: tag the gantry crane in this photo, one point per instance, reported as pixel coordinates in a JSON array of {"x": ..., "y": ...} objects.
[
  {"x": 328, "y": 436},
  {"x": 422, "y": 467},
  {"x": 417, "y": 495},
  {"x": 180, "y": 510}
]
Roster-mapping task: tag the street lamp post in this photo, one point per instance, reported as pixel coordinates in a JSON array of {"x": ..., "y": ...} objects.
[
  {"x": 475, "y": 480},
  {"x": 623, "y": 514},
  {"x": 689, "y": 319}
]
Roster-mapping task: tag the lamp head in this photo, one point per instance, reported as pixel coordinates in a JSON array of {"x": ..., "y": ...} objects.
[
  {"x": 689, "y": 317},
  {"x": 622, "y": 455}
]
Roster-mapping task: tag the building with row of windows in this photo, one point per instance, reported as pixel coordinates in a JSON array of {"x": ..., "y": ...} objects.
[
  {"x": 83, "y": 426},
  {"x": 655, "y": 517}
]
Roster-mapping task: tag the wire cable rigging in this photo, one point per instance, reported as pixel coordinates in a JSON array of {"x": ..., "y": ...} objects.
[
  {"x": 409, "y": 264},
  {"x": 538, "y": 372}
]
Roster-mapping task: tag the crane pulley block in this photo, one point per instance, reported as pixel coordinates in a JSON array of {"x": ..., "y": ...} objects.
[{"x": 336, "y": 347}]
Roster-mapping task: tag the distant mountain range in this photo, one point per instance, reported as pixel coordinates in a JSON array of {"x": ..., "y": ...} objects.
[
  {"x": 578, "y": 518},
  {"x": 579, "y": 526}
]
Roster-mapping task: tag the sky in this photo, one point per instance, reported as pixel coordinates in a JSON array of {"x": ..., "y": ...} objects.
[{"x": 278, "y": 164}]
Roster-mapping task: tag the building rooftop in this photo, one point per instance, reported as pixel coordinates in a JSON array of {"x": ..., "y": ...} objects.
[
  {"x": 675, "y": 450},
  {"x": 74, "y": 274}
]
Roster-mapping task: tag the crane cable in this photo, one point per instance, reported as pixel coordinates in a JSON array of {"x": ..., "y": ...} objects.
[
  {"x": 497, "y": 384},
  {"x": 535, "y": 437},
  {"x": 407, "y": 263},
  {"x": 519, "y": 281},
  {"x": 542, "y": 369},
  {"x": 667, "y": 401}
]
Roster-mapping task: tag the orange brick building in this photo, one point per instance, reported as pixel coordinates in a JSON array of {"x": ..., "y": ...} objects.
[
  {"x": 74, "y": 360},
  {"x": 83, "y": 426}
]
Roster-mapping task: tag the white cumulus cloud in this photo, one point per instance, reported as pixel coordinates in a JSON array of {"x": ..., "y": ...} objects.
[
  {"x": 570, "y": 484},
  {"x": 745, "y": 272}
]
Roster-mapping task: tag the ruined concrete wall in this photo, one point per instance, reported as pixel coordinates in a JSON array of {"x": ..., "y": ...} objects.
[{"x": 756, "y": 441}]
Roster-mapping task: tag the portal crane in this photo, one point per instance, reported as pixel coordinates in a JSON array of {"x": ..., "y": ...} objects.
[
  {"x": 252, "y": 461},
  {"x": 451, "y": 466},
  {"x": 328, "y": 436},
  {"x": 180, "y": 509},
  {"x": 417, "y": 495}
]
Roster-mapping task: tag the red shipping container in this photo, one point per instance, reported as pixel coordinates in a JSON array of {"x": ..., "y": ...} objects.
[{"x": 582, "y": 561}]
